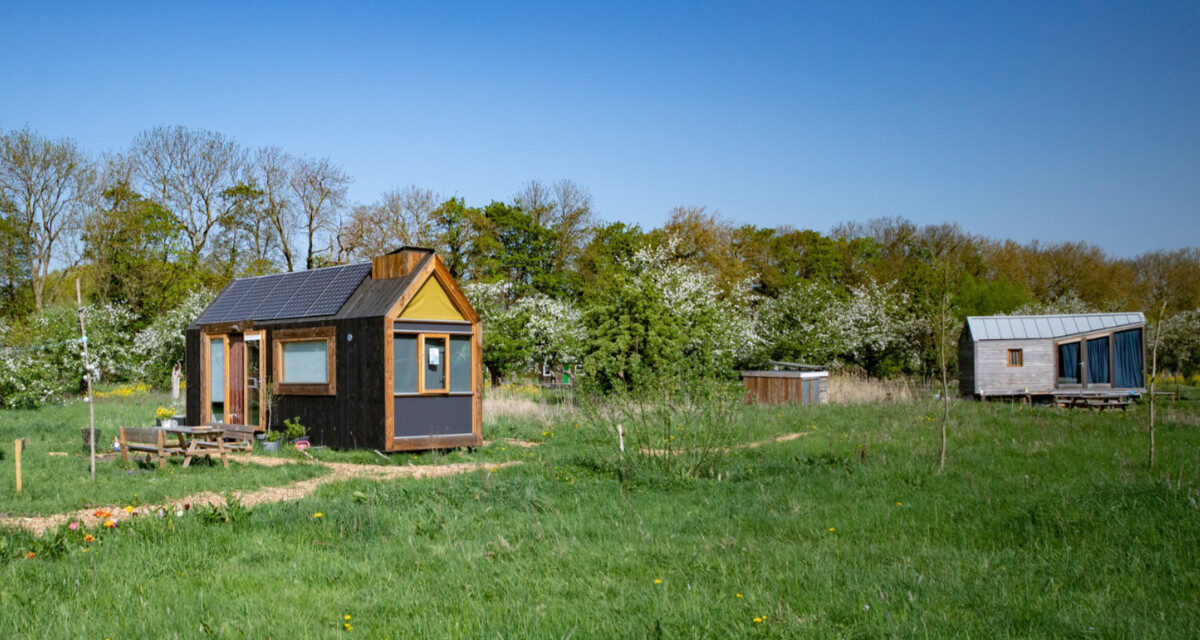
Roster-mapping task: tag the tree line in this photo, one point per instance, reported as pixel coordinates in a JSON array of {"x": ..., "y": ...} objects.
[{"x": 151, "y": 229}]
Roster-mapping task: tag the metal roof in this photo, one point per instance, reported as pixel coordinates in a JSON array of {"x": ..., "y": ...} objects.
[
  {"x": 1053, "y": 326},
  {"x": 301, "y": 294}
]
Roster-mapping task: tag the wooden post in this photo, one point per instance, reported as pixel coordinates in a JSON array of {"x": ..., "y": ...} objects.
[
  {"x": 18, "y": 447},
  {"x": 87, "y": 378},
  {"x": 1153, "y": 374}
]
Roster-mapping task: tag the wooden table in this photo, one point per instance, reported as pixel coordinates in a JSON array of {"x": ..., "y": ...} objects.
[{"x": 200, "y": 441}]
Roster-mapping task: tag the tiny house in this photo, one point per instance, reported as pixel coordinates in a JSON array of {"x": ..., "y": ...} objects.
[
  {"x": 1052, "y": 354},
  {"x": 376, "y": 355}
]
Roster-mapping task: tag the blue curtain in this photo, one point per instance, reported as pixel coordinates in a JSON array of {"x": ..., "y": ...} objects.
[
  {"x": 1068, "y": 363},
  {"x": 1097, "y": 360},
  {"x": 1127, "y": 359}
]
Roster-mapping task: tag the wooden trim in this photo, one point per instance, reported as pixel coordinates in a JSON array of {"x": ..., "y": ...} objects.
[
  {"x": 420, "y": 443},
  {"x": 421, "y": 364},
  {"x": 476, "y": 380},
  {"x": 438, "y": 270},
  {"x": 312, "y": 334},
  {"x": 206, "y": 378}
]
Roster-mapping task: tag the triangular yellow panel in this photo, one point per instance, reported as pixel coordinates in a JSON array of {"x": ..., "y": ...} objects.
[{"x": 431, "y": 303}]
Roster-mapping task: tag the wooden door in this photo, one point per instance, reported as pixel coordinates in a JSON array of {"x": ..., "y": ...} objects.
[{"x": 237, "y": 379}]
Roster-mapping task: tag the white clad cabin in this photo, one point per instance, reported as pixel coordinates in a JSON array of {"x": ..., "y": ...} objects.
[{"x": 1052, "y": 354}]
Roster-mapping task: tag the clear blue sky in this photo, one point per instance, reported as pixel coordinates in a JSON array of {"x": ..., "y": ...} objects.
[{"x": 1045, "y": 120}]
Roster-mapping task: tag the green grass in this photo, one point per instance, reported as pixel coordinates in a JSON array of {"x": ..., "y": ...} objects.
[
  {"x": 1045, "y": 523},
  {"x": 53, "y": 484}
]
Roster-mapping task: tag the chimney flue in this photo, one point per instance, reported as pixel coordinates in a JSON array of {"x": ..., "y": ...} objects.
[{"x": 398, "y": 263}]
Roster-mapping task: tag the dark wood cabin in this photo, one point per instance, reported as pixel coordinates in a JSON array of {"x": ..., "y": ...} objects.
[
  {"x": 1052, "y": 354},
  {"x": 376, "y": 355}
]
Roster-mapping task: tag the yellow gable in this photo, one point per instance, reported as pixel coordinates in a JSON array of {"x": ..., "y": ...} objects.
[{"x": 431, "y": 303}]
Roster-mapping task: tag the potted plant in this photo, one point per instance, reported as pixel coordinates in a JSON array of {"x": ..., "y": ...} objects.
[
  {"x": 272, "y": 440},
  {"x": 165, "y": 417},
  {"x": 293, "y": 430}
]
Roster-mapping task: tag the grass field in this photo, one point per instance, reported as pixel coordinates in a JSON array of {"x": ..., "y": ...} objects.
[{"x": 1045, "y": 523}]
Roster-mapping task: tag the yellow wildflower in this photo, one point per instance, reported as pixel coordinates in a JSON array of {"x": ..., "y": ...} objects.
[
  {"x": 657, "y": 581},
  {"x": 318, "y": 515}
]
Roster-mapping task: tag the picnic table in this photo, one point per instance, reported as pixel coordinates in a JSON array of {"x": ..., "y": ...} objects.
[
  {"x": 192, "y": 442},
  {"x": 200, "y": 441}
]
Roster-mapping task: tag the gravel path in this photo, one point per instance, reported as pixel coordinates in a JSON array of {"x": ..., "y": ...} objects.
[{"x": 338, "y": 471}]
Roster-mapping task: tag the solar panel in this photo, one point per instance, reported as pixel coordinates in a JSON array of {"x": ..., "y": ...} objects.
[{"x": 317, "y": 292}]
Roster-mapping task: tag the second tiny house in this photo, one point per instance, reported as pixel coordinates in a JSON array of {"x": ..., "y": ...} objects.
[{"x": 376, "y": 355}]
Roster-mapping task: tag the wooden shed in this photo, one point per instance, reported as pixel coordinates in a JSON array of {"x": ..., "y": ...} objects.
[
  {"x": 1052, "y": 354},
  {"x": 378, "y": 355},
  {"x": 789, "y": 382}
]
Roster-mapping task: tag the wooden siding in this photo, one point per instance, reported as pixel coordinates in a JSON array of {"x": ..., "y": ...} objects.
[
  {"x": 995, "y": 377},
  {"x": 779, "y": 387}
]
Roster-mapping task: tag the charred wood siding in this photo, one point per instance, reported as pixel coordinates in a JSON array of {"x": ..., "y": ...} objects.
[
  {"x": 966, "y": 363},
  {"x": 191, "y": 371},
  {"x": 353, "y": 418}
]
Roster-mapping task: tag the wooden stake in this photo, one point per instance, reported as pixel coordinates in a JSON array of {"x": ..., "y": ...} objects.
[
  {"x": 1153, "y": 374},
  {"x": 87, "y": 378},
  {"x": 18, "y": 447}
]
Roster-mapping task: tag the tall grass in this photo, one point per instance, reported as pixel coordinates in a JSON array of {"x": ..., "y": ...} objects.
[{"x": 859, "y": 388}]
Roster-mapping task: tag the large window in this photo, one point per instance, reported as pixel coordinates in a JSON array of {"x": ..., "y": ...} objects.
[
  {"x": 431, "y": 363},
  {"x": 305, "y": 361}
]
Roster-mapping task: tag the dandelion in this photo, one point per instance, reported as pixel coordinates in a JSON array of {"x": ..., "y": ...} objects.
[
  {"x": 831, "y": 529},
  {"x": 657, "y": 581},
  {"x": 318, "y": 515},
  {"x": 739, "y": 595},
  {"x": 128, "y": 508},
  {"x": 758, "y": 619},
  {"x": 74, "y": 526},
  {"x": 899, "y": 504},
  {"x": 346, "y": 617},
  {"x": 348, "y": 627},
  {"x": 89, "y": 538}
]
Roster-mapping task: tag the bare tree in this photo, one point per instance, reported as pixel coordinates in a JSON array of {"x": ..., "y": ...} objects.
[
  {"x": 566, "y": 209},
  {"x": 273, "y": 169},
  {"x": 186, "y": 171},
  {"x": 400, "y": 217},
  {"x": 319, "y": 187},
  {"x": 48, "y": 184}
]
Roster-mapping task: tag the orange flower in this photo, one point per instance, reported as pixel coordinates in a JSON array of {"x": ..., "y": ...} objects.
[
  {"x": 110, "y": 523},
  {"x": 101, "y": 513},
  {"x": 30, "y": 555},
  {"x": 89, "y": 538}
]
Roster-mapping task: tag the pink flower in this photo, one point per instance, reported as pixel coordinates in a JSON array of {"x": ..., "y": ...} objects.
[{"x": 73, "y": 526}]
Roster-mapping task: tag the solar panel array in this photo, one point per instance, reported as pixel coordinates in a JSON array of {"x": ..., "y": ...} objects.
[{"x": 303, "y": 294}]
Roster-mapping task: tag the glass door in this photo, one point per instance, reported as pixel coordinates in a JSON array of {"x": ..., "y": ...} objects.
[{"x": 254, "y": 385}]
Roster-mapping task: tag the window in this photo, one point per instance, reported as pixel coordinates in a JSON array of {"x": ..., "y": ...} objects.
[
  {"x": 216, "y": 379},
  {"x": 305, "y": 361},
  {"x": 1016, "y": 358},
  {"x": 430, "y": 363},
  {"x": 460, "y": 363}
]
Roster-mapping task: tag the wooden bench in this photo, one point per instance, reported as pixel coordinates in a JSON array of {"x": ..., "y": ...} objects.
[
  {"x": 151, "y": 441},
  {"x": 237, "y": 437}
]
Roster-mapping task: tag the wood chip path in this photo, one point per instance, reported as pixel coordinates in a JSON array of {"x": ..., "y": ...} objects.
[{"x": 338, "y": 471}]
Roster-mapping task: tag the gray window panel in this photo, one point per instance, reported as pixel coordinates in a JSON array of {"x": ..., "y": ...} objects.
[
  {"x": 305, "y": 362},
  {"x": 460, "y": 363},
  {"x": 404, "y": 364}
]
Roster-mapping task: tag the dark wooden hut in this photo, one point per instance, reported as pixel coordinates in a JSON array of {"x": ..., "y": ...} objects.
[{"x": 377, "y": 355}]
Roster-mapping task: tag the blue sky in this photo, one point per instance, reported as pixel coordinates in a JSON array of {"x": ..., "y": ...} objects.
[{"x": 1045, "y": 120}]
